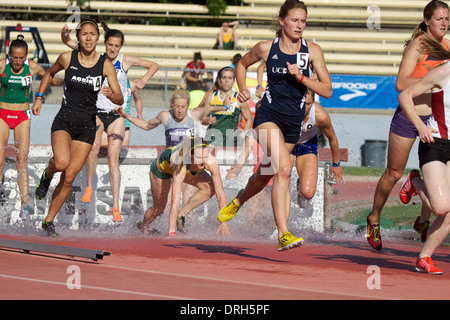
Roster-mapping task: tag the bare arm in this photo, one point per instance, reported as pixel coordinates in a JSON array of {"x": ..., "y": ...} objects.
[
  {"x": 214, "y": 169},
  {"x": 65, "y": 37},
  {"x": 61, "y": 64},
  {"x": 411, "y": 56},
  {"x": 36, "y": 68},
  {"x": 259, "y": 79},
  {"x": 323, "y": 120},
  {"x": 137, "y": 99},
  {"x": 436, "y": 78},
  {"x": 321, "y": 86},
  {"x": 141, "y": 123},
  {"x": 112, "y": 92},
  {"x": 152, "y": 68},
  {"x": 258, "y": 52}
]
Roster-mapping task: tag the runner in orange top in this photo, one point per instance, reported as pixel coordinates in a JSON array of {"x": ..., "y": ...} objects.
[{"x": 402, "y": 133}]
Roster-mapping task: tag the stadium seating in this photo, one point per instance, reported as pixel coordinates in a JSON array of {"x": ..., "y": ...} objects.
[{"x": 355, "y": 50}]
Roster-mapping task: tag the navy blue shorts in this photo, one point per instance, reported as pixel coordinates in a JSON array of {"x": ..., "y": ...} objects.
[
  {"x": 290, "y": 125},
  {"x": 308, "y": 147}
]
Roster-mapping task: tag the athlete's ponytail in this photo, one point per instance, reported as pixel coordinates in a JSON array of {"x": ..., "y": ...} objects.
[
  {"x": 19, "y": 42},
  {"x": 433, "y": 48},
  {"x": 112, "y": 33}
]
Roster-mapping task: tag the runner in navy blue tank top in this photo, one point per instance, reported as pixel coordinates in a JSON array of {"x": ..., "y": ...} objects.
[
  {"x": 73, "y": 130},
  {"x": 289, "y": 60}
]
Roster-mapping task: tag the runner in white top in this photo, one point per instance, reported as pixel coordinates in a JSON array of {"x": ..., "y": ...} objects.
[
  {"x": 108, "y": 121},
  {"x": 103, "y": 103},
  {"x": 434, "y": 150},
  {"x": 305, "y": 152}
]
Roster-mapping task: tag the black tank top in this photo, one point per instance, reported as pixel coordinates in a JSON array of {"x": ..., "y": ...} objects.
[{"x": 82, "y": 85}]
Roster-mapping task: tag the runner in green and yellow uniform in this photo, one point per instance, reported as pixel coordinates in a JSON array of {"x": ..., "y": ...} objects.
[
  {"x": 187, "y": 162},
  {"x": 223, "y": 129}
]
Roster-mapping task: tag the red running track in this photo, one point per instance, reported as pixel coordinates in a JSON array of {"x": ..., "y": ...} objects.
[
  {"x": 184, "y": 269},
  {"x": 326, "y": 267}
]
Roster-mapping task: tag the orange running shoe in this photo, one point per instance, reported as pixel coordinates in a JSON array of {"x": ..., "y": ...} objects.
[
  {"x": 116, "y": 215},
  {"x": 407, "y": 190},
  {"x": 425, "y": 265},
  {"x": 87, "y": 195}
]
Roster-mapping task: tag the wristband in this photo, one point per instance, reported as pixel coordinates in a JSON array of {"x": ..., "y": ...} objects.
[
  {"x": 301, "y": 78},
  {"x": 139, "y": 113},
  {"x": 336, "y": 164},
  {"x": 171, "y": 233},
  {"x": 38, "y": 94},
  {"x": 258, "y": 86},
  {"x": 226, "y": 107}
]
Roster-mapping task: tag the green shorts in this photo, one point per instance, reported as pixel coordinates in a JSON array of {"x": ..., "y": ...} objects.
[{"x": 157, "y": 173}]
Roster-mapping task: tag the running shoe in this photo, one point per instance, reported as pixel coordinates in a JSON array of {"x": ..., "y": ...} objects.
[
  {"x": 42, "y": 186},
  {"x": 49, "y": 227},
  {"x": 288, "y": 241},
  {"x": 140, "y": 226},
  {"x": 24, "y": 212},
  {"x": 373, "y": 235},
  {"x": 116, "y": 215},
  {"x": 229, "y": 211},
  {"x": 407, "y": 190},
  {"x": 425, "y": 265},
  {"x": 87, "y": 195},
  {"x": 422, "y": 228},
  {"x": 146, "y": 230},
  {"x": 180, "y": 224}
]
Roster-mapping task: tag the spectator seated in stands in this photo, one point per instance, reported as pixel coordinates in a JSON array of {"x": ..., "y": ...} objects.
[
  {"x": 194, "y": 76},
  {"x": 228, "y": 38}
]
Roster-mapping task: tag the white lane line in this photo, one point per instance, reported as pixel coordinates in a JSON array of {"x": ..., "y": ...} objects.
[
  {"x": 96, "y": 288},
  {"x": 361, "y": 296}
]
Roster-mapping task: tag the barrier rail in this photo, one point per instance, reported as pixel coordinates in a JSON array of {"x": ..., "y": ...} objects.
[{"x": 135, "y": 196}]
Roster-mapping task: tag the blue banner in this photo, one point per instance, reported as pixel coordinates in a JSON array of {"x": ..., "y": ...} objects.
[{"x": 362, "y": 92}]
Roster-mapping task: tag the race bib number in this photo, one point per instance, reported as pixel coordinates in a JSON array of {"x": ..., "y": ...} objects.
[
  {"x": 26, "y": 81},
  {"x": 190, "y": 132},
  {"x": 302, "y": 60}
]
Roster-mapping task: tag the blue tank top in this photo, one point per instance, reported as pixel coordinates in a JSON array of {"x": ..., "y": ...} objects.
[{"x": 284, "y": 94}]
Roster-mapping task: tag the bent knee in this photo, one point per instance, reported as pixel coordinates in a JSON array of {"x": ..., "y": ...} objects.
[
  {"x": 308, "y": 193},
  {"x": 441, "y": 209},
  {"x": 394, "y": 174},
  {"x": 61, "y": 164}
]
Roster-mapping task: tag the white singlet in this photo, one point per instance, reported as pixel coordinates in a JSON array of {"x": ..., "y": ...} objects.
[{"x": 103, "y": 103}]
